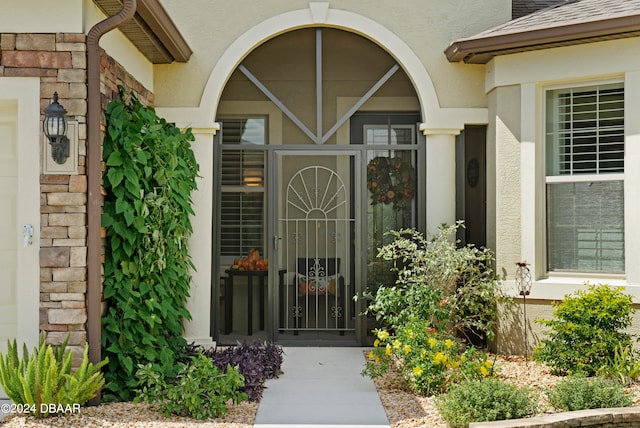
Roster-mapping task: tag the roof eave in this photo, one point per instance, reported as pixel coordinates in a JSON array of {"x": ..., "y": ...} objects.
[
  {"x": 480, "y": 50},
  {"x": 151, "y": 30},
  {"x": 161, "y": 24}
]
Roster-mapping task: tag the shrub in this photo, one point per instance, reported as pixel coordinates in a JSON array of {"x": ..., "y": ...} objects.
[
  {"x": 429, "y": 362},
  {"x": 455, "y": 289},
  {"x": 257, "y": 362},
  {"x": 151, "y": 172},
  {"x": 485, "y": 400},
  {"x": 579, "y": 393},
  {"x": 201, "y": 390},
  {"x": 586, "y": 330},
  {"x": 44, "y": 377}
]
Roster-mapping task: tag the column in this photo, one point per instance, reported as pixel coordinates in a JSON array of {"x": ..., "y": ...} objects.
[
  {"x": 441, "y": 176},
  {"x": 200, "y": 245}
]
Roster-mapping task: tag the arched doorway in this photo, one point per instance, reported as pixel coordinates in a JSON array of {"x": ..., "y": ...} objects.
[{"x": 289, "y": 107}]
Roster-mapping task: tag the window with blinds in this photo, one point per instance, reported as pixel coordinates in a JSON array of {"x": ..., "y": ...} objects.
[
  {"x": 242, "y": 181},
  {"x": 585, "y": 179}
]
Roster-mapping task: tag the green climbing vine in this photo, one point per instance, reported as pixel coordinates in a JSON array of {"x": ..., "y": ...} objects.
[{"x": 151, "y": 172}]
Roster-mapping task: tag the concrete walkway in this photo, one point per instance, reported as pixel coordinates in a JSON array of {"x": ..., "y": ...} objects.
[{"x": 321, "y": 387}]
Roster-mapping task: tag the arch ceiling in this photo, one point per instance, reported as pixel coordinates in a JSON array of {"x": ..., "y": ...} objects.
[{"x": 319, "y": 14}]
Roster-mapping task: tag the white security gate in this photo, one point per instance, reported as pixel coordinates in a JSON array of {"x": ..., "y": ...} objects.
[{"x": 316, "y": 229}]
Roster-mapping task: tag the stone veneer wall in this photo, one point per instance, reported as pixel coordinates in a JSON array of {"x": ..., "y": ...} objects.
[{"x": 59, "y": 60}]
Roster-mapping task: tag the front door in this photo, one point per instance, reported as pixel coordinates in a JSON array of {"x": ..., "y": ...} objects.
[{"x": 314, "y": 243}]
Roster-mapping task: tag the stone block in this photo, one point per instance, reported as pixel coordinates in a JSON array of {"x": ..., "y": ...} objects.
[
  {"x": 54, "y": 232},
  {"x": 48, "y": 88},
  {"x": 75, "y": 208},
  {"x": 52, "y": 209},
  {"x": 36, "y": 42},
  {"x": 75, "y": 338},
  {"x": 71, "y": 47},
  {"x": 66, "y": 296},
  {"x": 52, "y": 327},
  {"x": 72, "y": 304},
  {"x": 54, "y": 188},
  {"x": 82, "y": 135},
  {"x": 76, "y": 232},
  {"x": 7, "y": 41},
  {"x": 45, "y": 275},
  {"x": 37, "y": 59},
  {"x": 69, "y": 74},
  {"x": 53, "y": 287},
  {"x": 79, "y": 60},
  {"x": 77, "y": 90},
  {"x": 76, "y": 107},
  {"x": 77, "y": 287},
  {"x": 67, "y": 316},
  {"x": 45, "y": 242},
  {"x": 78, "y": 256},
  {"x": 69, "y": 274},
  {"x": 54, "y": 179},
  {"x": 51, "y": 305},
  {"x": 76, "y": 327},
  {"x": 54, "y": 257},
  {"x": 66, "y": 199},
  {"x": 68, "y": 243},
  {"x": 74, "y": 38},
  {"x": 67, "y": 219},
  {"x": 30, "y": 72}
]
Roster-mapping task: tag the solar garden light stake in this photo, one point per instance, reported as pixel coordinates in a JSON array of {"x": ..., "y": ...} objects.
[{"x": 523, "y": 282}]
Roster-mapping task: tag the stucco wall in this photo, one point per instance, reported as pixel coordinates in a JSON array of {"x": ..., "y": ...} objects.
[
  {"x": 516, "y": 84},
  {"x": 505, "y": 130},
  {"x": 427, "y": 27}
]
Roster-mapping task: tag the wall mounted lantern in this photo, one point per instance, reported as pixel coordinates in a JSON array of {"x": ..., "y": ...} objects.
[{"x": 54, "y": 126}]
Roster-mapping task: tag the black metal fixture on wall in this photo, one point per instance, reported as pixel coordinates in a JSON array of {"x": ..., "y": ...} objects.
[{"x": 54, "y": 126}]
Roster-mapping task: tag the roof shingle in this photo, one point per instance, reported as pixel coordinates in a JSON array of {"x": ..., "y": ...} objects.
[{"x": 565, "y": 23}]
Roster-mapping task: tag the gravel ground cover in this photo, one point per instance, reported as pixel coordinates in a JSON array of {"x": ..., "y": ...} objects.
[{"x": 404, "y": 409}]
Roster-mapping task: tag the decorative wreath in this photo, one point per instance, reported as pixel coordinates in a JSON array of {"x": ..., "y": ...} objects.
[{"x": 391, "y": 180}]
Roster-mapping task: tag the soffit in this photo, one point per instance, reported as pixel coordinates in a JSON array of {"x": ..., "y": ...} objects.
[
  {"x": 566, "y": 23},
  {"x": 151, "y": 30}
]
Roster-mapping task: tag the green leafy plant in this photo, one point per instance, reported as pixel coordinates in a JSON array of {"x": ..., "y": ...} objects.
[
  {"x": 579, "y": 393},
  {"x": 201, "y": 390},
  {"x": 485, "y": 400},
  {"x": 427, "y": 360},
  {"x": 257, "y": 362},
  {"x": 43, "y": 378},
  {"x": 151, "y": 172},
  {"x": 455, "y": 289},
  {"x": 624, "y": 366},
  {"x": 586, "y": 330}
]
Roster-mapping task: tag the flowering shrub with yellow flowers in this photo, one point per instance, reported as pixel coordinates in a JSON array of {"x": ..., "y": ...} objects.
[
  {"x": 429, "y": 361},
  {"x": 455, "y": 288}
]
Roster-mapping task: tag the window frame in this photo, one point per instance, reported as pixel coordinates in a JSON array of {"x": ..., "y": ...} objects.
[{"x": 579, "y": 178}]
